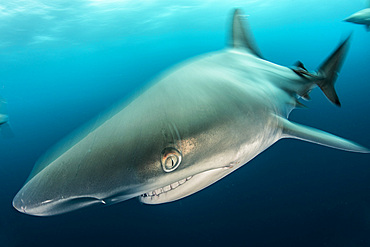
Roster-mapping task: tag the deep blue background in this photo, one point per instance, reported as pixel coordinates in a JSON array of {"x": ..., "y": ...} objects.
[{"x": 62, "y": 63}]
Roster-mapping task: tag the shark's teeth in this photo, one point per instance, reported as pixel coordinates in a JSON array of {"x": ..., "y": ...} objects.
[
  {"x": 166, "y": 188},
  {"x": 175, "y": 185}
]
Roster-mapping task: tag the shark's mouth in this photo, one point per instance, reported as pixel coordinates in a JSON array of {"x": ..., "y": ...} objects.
[
  {"x": 155, "y": 194},
  {"x": 184, "y": 187}
]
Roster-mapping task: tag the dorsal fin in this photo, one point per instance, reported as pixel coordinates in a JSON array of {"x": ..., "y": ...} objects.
[
  {"x": 299, "y": 64},
  {"x": 241, "y": 36},
  {"x": 300, "y": 70}
]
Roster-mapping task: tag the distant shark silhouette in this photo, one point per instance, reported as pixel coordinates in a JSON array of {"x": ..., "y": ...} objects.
[
  {"x": 197, "y": 123},
  {"x": 3, "y": 116},
  {"x": 361, "y": 17},
  {"x": 3, "y": 119},
  {"x": 5, "y": 129}
]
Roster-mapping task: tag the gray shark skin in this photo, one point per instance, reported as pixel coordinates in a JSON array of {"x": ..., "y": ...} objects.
[
  {"x": 361, "y": 17},
  {"x": 197, "y": 123}
]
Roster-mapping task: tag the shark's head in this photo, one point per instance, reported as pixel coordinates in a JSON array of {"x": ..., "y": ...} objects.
[
  {"x": 184, "y": 133},
  {"x": 154, "y": 160}
]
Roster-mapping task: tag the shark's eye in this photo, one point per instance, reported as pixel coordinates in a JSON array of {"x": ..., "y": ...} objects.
[{"x": 170, "y": 159}]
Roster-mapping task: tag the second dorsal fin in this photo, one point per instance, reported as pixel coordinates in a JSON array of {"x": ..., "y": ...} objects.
[
  {"x": 241, "y": 36},
  {"x": 299, "y": 64}
]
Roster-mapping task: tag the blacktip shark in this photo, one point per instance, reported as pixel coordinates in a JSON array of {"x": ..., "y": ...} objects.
[
  {"x": 361, "y": 17},
  {"x": 194, "y": 125}
]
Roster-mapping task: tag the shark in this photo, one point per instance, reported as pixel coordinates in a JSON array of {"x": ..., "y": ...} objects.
[
  {"x": 361, "y": 17},
  {"x": 4, "y": 118},
  {"x": 6, "y": 130},
  {"x": 193, "y": 125}
]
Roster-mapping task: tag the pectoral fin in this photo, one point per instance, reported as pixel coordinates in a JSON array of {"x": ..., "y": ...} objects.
[{"x": 298, "y": 131}]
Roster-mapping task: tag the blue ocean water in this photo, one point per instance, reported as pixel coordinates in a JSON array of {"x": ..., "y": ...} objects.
[{"x": 63, "y": 62}]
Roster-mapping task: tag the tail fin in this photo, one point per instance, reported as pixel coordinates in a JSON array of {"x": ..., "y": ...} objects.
[{"x": 329, "y": 71}]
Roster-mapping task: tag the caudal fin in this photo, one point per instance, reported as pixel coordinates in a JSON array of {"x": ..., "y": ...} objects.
[{"x": 329, "y": 70}]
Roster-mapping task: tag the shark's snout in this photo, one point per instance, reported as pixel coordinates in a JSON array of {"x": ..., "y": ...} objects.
[
  {"x": 18, "y": 203},
  {"x": 348, "y": 19},
  {"x": 32, "y": 206},
  {"x": 353, "y": 18},
  {"x": 42, "y": 196},
  {"x": 29, "y": 203}
]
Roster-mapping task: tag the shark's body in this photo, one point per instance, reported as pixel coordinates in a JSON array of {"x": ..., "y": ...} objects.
[
  {"x": 199, "y": 122},
  {"x": 361, "y": 17}
]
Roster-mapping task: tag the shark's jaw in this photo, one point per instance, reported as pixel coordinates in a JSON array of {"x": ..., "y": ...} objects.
[{"x": 185, "y": 186}]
